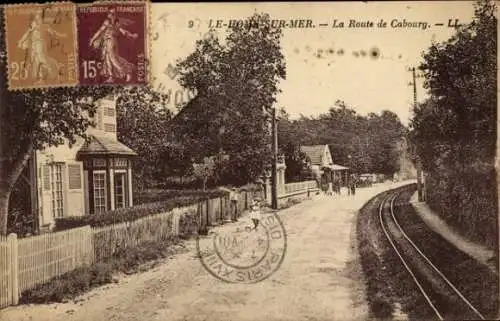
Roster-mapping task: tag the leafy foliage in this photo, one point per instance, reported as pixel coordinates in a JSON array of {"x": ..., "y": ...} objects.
[
  {"x": 204, "y": 170},
  {"x": 127, "y": 214},
  {"x": 371, "y": 143},
  {"x": 142, "y": 126},
  {"x": 455, "y": 130},
  {"x": 158, "y": 195},
  {"x": 295, "y": 159},
  {"x": 236, "y": 84}
]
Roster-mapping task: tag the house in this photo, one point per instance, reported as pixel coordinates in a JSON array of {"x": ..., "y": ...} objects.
[
  {"x": 88, "y": 178},
  {"x": 321, "y": 162}
]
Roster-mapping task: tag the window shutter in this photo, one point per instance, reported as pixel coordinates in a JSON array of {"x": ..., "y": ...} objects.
[
  {"x": 74, "y": 177},
  {"x": 99, "y": 116},
  {"x": 46, "y": 177},
  {"x": 110, "y": 128},
  {"x": 109, "y": 112}
]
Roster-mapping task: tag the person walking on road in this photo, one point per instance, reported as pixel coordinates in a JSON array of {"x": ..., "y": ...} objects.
[
  {"x": 352, "y": 182},
  {"x": 330, "y": 189},
  {"x": 336, "y": 185},
  {"x": 255, "y": 213},
  {"x": 233, "y": 202},
  {"x": 233, "y": 197}
]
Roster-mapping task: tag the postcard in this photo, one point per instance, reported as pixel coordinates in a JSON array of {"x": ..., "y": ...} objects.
[{"x": 249, "y": 161}]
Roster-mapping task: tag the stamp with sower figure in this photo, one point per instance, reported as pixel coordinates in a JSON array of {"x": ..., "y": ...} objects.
[
  {"x": 112, "y": 43},
  {"x": 41, "y": 45}
]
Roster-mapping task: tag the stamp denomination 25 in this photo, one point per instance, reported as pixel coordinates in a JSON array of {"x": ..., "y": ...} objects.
[
  {"x": 245, "y": 255},
  {"x": 112, "y": 43},
  {"x": 41, "y": 45}
]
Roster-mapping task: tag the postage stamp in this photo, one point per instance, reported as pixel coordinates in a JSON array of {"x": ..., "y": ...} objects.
[
  {"x": 112, "y": 43},
  {"x": 41, "y": 45},
  {"x": 244, "y": 254}
]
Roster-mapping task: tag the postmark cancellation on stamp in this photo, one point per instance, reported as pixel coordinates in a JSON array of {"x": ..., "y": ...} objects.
[
  {"x": 112, "y": 42},
  {"x": 41, "y": 45},
  {"x": 244, "y": 254}
]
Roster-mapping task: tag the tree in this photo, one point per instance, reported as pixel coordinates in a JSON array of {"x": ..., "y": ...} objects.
[
  {"x": 369, "y": 143},
  {"x": 35, "y": 119},
  {"x": 204, "y": 171},
  {"x": 236, "y": 85},
  {"x": 461, "y": 79},
  {"x": 387, "y": 132},
  {"x": 289, "y": 145},
  {"x": 142, "y": 125},
  {"x": 454, "y": 131}
]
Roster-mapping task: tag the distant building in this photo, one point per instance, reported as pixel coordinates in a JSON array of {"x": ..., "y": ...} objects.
[
  {"x": 88, "y": 178},
  {"x": 321, "y": 162}
]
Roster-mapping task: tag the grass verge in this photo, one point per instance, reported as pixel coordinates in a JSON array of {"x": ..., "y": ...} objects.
[{"x": 72, "y": 284}]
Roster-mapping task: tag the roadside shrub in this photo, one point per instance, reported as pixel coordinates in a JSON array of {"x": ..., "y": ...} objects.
[
  {"x": 189, "y": 224},
  {"x": 160, "y": 195},
  {"x": 124, "y": 214},
  {"x": 68, "y": 285},
  {"x": 467, "y": 198}
]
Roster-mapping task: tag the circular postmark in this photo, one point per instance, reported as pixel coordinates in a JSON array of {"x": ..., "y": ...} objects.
[{"x": 244, "y": 254}]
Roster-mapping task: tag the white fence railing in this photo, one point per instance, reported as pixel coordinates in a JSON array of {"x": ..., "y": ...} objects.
[
  {"x": 28, "y": 262},
  {"x": 300, "y": 186}
]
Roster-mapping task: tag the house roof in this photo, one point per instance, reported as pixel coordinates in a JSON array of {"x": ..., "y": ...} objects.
[
  {"x": 103, "y": 145},
  {"x": 314, "y": 153}
]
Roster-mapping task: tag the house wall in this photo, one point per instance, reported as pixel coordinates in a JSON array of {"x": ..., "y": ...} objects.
[
  {"x": 105, "y": 118},
  {"x": 63, "y": 157},
  {"x": 75, "y": 182}
]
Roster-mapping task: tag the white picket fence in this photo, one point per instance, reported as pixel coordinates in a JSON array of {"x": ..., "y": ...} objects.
[
  {"x": 46, "y": 256},
  {"x": 300, "y": 186},
  {"x": 28, "y": 262},
  {"x": 25, "y": 263},
  {"x": 8, "y": 271}
]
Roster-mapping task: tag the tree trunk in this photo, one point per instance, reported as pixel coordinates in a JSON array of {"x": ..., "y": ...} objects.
[
  {"x": 4, "y": 211},
  {"x": 7, "y": 184}
]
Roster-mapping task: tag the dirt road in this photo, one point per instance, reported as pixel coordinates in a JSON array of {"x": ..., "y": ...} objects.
[{"x": 319, "y": 279}]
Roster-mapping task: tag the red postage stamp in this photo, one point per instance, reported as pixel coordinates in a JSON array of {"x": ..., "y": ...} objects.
[
  {"x": 112, "y": 43},
  {"x": 41, "y": 45}
]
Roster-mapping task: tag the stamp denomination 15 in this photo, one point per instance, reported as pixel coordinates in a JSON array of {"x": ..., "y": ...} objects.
[{"x": 112, "y": 43}]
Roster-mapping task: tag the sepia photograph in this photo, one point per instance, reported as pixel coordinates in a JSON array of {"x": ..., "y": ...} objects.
[{"x": 240, "y": 161}]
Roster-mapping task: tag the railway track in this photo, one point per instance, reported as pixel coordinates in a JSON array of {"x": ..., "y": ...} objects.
[{"x": 445, "y": 300}]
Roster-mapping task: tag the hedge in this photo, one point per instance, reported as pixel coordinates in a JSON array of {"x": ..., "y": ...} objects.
[
  {"x": 125, "y": 214},
  {"x": 160, "y": 195},
  {"x": 466, "y": 198}
]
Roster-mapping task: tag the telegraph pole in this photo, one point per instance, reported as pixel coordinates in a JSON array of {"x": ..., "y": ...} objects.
[
  {"x": 418, "y": 164},
  {"x": 274, "y": 170}
]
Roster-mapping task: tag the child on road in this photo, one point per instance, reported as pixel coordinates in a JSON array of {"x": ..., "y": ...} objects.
[{"x": 255, "y": 213}]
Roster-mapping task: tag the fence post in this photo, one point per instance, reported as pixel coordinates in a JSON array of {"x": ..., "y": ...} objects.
[
  {"x": 207, "y": 215},
  {"x": 13, "y": 259},
  {"x": 209, "y": 221},
  {"x": 90, "y": 245}
]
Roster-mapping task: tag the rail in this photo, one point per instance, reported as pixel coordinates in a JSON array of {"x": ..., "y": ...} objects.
[{"x": 427, "y": 293}]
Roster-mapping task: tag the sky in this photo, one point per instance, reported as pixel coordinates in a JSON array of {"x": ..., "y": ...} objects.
[{"x": 313, "y": 83}]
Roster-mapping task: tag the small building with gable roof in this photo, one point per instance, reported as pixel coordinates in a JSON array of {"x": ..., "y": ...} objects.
[
  {"x": 91, "y": 177},
  {"x": 321, "y": 162}
]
